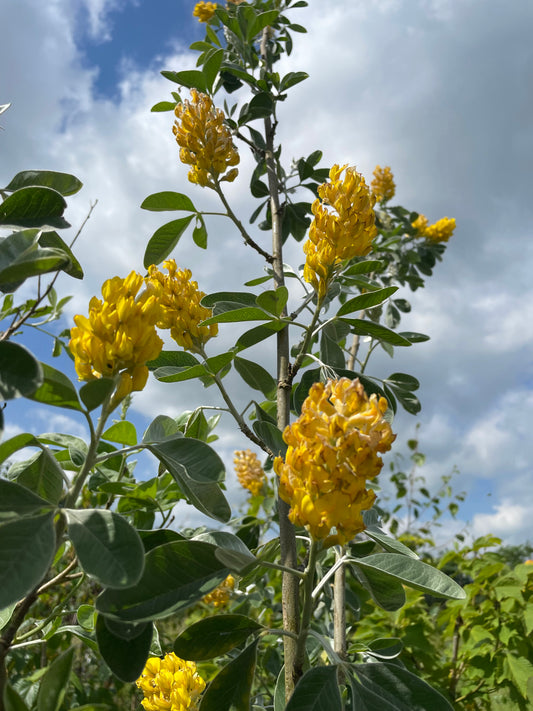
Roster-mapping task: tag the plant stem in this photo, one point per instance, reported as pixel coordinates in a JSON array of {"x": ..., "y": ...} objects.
[
  {"x": 307, "y": 609},
  {"x": 289, "y": 558}
]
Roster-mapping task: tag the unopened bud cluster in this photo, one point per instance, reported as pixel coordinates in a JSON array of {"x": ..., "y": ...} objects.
[
  {"x": 204, "y": 11},
  {"x": 220, "y": 596},
  {"x": 440, "y": 231}
]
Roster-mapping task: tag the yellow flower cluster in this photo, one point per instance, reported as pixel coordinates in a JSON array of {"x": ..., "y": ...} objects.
[
  {"x": 219, "y": 597},
  {"x": 179, "y": 306},
  {"x": 205, "y": 142},
  {"x": 170, "y": 684},
  {"x": 249, "y": 471},
  {"x": 440, "y": 231},
  {"x": 345, "y": 232},
  {"x": 333, "y": 448},
  {"x": 383, "y": 185},
  {"x": 204, "y": 11},
  {"x": 119, "y": 335}
]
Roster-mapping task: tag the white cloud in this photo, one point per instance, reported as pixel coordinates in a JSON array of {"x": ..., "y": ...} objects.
[{"x": 509, "y": 521}]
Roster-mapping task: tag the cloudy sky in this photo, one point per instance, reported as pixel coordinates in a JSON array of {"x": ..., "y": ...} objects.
[{"x": 440, "y": 90}]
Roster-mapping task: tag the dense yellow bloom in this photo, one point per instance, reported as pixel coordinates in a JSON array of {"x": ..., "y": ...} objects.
[
  {"x": 249, "y": 471},
  {"x": 345, "y": 232},
  {"x": 204, "y": 11},
  {"x": 205, "y": 142},
  {"x": 219, "y": 597},
  {"x": 440, "y": 231},
  {"x": 179, "y": 306},
  {"x": 119, "y": 334},
  {"x": 170, "y": 684},
  {"x": 383, "y": 185},
  {"x": 333, "y": 448}
]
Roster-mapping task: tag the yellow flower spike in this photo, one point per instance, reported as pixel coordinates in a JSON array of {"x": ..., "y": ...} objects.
[
  {"x": 332, "y": 451},
  {"x": 383, "y": 185},
  {"x": 219, "y": 597},
  {"x": 249, "y": 471},
  {"x": 343, "y": 232},
  {"x": 205, "y": 142},
  {"x": 204, "y": 11},
  {"x": 119, "y": 336},
  {"x": 440, "y": 231},
  {"x": 170, "y": 684},
  {"x": 178, "y": 299}
]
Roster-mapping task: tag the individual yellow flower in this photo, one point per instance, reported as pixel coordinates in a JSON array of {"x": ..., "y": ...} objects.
[
  {"x": 204, "y": 11},
  {"x": 333, "y": 448},
  {"x": 118, "y": 336},
  {"x": 170, "y": 684},
  {"x": 249, "y": 471},
  {"x": 440, "y": 231},
  {"x": 179, "y": 306},
  {"x": 219, "y": 597},
  {"x": 345, "y": 232},
  {"x": 383, "y": 185},
  {"x": 205, "y": 142}
]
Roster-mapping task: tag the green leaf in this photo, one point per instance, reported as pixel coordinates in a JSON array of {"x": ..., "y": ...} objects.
[
  {"x": 377, "y": 331},
  {"x": 388, "y": 648},
  {"x": 407, "y": 400},
  {"x": 33, "y": 262},
  {"x": 12, "y": 701},
  {"x": 197, "y": 469},
  {"x": 389, "y": 543},
  {"x": 125, "y": 657},
  {"x": 230, "y": 689},
  {"x": 109, "y": 549},
  {"x": 93, "y": 393},
  {"x": 34, "y": 207},
  {"x": 14, "y": 444},
  {"x": 273, "y": 301},
  {"x": 256, "y": 376},
  {"x": 6, "y": 614},
  {"x": 158, "y": 537},
  {"x": 234, "y": 299},
  {"x": 331, "y": 353},
  {"x": 231, "y": 550},
  {"x": 402, "y": 381},
  {"x": 42, "y": 474},
  {"x": 168, "y": 200},
  {"x": 211, "y": 67},
  {"x": 177, "y": 359},
  {"x": 413, "y": 573},
  {"x": 55, "y": 682},
  {"x": 214, "y": 636},
  {"x": 20, "y": 372},
  {"x": 122, "y": 432},
  {"x": 520, "y": 670},
  {"x": 176, "y": 575},
  {"x": 291, "y": 79},
  {"x": 386, "y": 593},
  {"x": 164, "y": 239},
  {"x": 163, "y": 106},
  {"x": 64, "y": 183},
  {"x": 56, "y": 390},
  {"x": 366, "y": 301},
  {"x": 317, "y": 690},
  {"x": 192, "y": 79},
  {"x": 414, "y": 337},
  {"x": 271, "y": 436},
  {"x": 390, "y": 687},
  {"x": 370, "y": 265},
  {"x": 248, "y": 313},
  {"x": 54, "y": 241},
  {"x": 199, "y": 236},
  {"x": 27, "y": 547},
  {"x": 258, "y": 334},
  {"x": 17, "y": 500},
  {"x": 162, "y": 427}
]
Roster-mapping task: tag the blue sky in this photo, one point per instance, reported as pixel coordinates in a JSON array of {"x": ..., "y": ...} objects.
[{"x": 438, "y": 90}]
